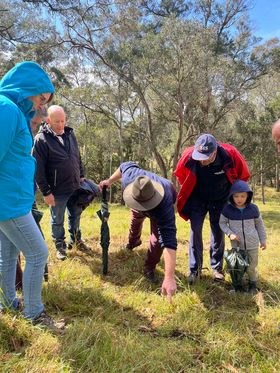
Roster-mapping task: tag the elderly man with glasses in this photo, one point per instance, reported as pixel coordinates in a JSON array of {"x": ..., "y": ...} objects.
[{"x": 205, "y": 173}]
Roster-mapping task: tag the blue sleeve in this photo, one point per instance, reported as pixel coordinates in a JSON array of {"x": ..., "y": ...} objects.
[{"x": 164, "y": 215}]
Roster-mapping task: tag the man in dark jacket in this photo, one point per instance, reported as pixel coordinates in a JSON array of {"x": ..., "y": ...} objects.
[
  {"x": 152, "y": 196},
  {"x": 205, "y": 173},
  {"x": 59, "y": 173}
]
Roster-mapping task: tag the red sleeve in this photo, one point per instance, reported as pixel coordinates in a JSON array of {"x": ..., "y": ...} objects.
[
  {"x": 240, "y": 168},
  {"x": 181, "y": 171}
]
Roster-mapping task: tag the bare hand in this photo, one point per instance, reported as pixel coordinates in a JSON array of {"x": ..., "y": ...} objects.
[
  {"x": 263, "y": 246},
  {"x": 103, "y": 183},
  {"x": 49, "y": 200},
  {"x": 234, "y": 237},
  {"x": 168, "y": 288}
]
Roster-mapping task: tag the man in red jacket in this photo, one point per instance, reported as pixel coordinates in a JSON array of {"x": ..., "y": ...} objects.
[{"x": 205, "y": 173}]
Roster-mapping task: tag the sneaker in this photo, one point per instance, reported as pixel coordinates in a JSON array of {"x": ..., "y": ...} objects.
[
  {"x": 44, "y": 320},
  {"x": 151, "y": 276},
  {"x": 61, "y": 254},
  {"x": 130, "y": 246},
  {"x": 192, "y": 277},
  {"x": 218, "y": 276}
]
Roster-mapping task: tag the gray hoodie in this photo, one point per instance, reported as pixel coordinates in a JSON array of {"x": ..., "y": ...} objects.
[{"x": 246, "y": 223}]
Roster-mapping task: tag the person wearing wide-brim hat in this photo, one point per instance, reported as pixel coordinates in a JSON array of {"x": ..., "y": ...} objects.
[
  {"x": 152, "y": 196},
  {"x": 205, "y": 173}
]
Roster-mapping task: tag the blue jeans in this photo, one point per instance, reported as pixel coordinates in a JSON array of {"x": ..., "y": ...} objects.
[
  {"x": 198, "y": 211},
  {"x": 62, "y": 203},
  {"x": 22, "y": 234}
]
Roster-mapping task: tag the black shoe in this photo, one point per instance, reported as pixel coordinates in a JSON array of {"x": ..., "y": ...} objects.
[
  {"x": 253, "y": 290},
  {"x": 193, "y": 277},
  {"x": 61, "y": 254},
  {"x": 151, "y": 276},
  {"x": 60, "y": 250},
  {"x": 46, "y": 321},
  {"x": 237, "y": 289},
  {"x": 130, "y": 247}
]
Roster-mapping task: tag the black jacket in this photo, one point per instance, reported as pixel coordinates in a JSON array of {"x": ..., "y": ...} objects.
[{"x": 59, "y": 167}]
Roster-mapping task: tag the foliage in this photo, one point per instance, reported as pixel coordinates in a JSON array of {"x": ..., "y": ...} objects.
[{"x": 149, "y": 76}]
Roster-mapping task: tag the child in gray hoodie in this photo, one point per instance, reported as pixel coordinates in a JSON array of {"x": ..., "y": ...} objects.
[{"x": 241, "y": 221}]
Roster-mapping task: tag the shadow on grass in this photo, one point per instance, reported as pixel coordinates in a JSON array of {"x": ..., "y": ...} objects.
[{"x": 125, "y": 267}]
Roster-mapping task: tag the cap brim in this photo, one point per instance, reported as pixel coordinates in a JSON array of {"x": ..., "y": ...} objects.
[
  {"x": 197, "y": 156},
  {"x": 147, "y": 205}
]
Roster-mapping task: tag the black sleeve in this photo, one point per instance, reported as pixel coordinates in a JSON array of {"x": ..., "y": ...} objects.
[{"x": 40, "y": 153}]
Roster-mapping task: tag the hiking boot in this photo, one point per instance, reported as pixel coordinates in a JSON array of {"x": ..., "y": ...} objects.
[
  {"x": 60, "y": 250},
  {"x": 218, "y": 275},
  {"x": 61, "y": 254},
  {"x": 130, "y": 246},
  {"x": 253, "y": 290},
  {"x": 193, "y": 277},
  {"x": 45, "y": 321}
]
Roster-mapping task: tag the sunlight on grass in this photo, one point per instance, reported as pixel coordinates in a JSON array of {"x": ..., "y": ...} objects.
[{"x": 120, "y": 323}]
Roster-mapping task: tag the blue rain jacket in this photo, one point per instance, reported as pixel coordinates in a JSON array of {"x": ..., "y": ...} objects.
[{"x": 17, "y": 166}]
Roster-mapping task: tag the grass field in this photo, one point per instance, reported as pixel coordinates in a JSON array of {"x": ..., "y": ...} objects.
[{"x": 120, "y": 323}]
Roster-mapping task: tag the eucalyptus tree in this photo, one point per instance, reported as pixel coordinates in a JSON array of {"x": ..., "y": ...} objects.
[{"x": 185, "y": 65}]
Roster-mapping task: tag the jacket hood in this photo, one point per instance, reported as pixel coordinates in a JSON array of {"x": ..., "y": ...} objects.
[
  {"x": 24, "y": 80},
  {"x": 240, "y": 186}
]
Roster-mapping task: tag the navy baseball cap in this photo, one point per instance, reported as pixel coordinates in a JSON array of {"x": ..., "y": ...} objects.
[{"x": 205, "y": 145}]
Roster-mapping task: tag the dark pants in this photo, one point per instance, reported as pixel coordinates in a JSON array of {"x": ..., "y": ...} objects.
[
  {"x": 154, "y": 251},
  {"x": 198, "y": 211}
]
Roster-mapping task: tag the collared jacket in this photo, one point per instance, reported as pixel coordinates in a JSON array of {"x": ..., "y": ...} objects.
[
  {"x": 234, "y": 166},
  {"x": 59, "y": 167},
  {"x": 17, "y": 166},
  {"x": 246, "y": 223}
]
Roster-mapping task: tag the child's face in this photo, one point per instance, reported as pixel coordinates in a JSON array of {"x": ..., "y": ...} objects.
[{"x": 240, "y": 199}]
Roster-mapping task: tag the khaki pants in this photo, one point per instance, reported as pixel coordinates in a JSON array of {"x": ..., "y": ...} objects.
[{"x": 253, "y": 256}]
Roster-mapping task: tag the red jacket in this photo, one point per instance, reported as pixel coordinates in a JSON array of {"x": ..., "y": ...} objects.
[{"x": 235, "y": 167}]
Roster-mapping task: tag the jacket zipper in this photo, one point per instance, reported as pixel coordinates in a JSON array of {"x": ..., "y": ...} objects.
[
  {"x": 244, "y": 238},
  {"x": 55, "y": 174}
]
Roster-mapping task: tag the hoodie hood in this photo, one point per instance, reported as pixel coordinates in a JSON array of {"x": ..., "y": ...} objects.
[
  {"x": 240, "y": 186},
  {"x": 24, "y": 80}
]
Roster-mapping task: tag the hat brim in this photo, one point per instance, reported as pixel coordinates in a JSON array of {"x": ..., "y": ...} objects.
[
  {"x": 197, "y": 156},
  {"x": 146, "y": 205}
]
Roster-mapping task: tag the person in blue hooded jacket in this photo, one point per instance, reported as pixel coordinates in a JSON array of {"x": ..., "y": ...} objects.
[
  {"x": 241, "y": 221},
  {"x": 23, "y": 90}
]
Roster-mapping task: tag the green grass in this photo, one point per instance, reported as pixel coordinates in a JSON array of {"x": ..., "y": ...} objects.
[{"x": 120, "y": 323}]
